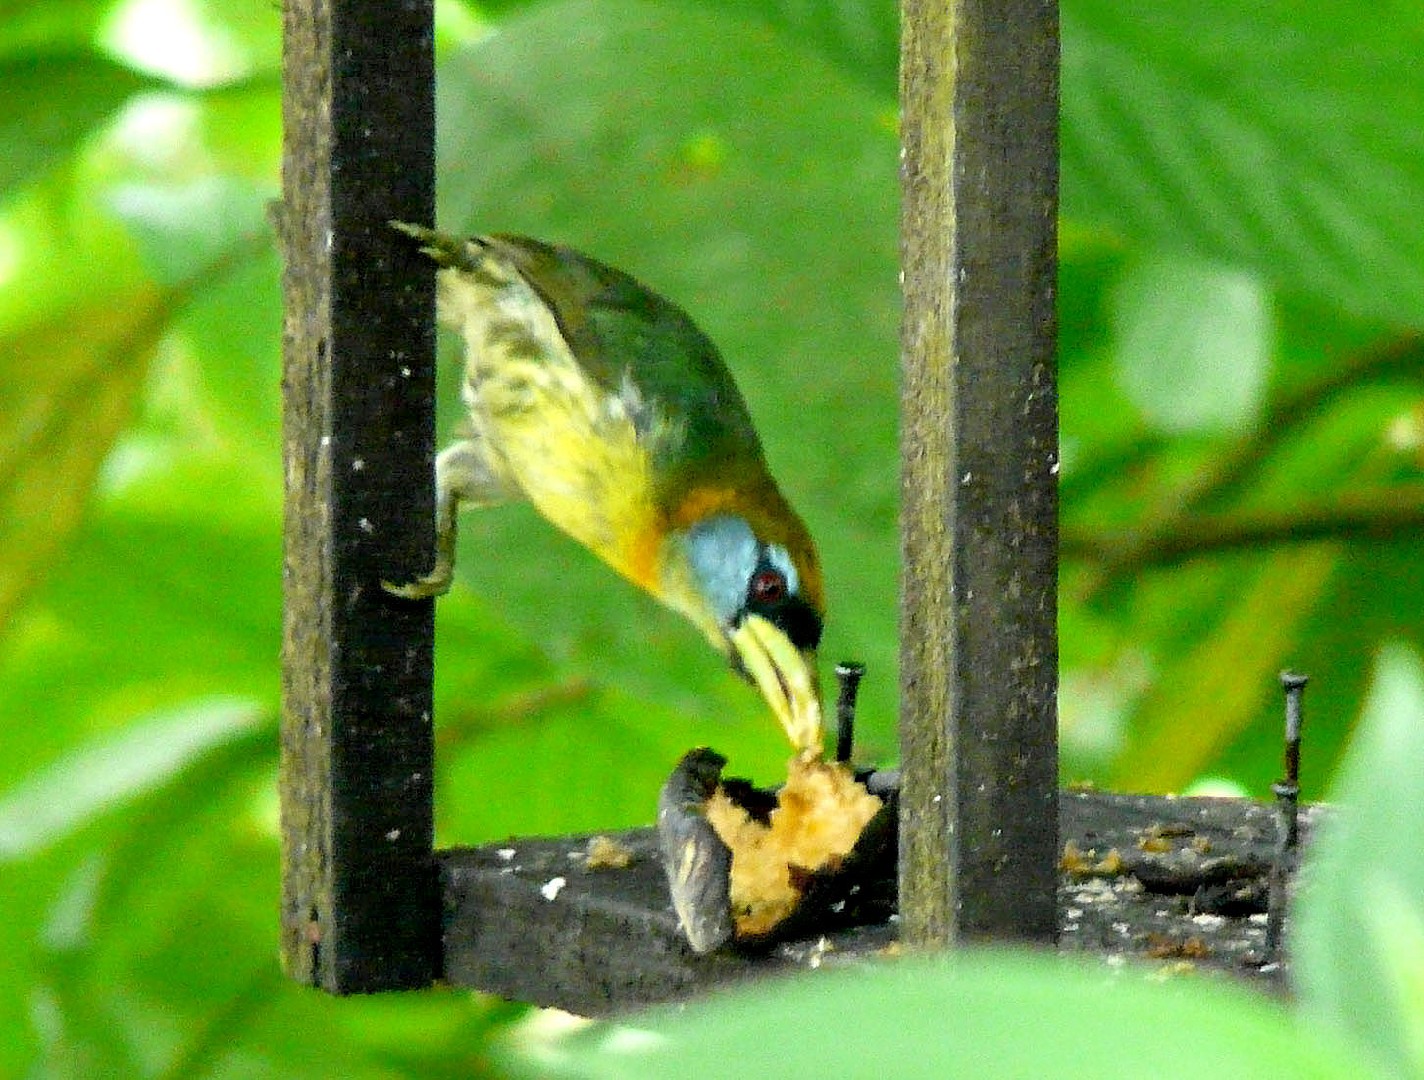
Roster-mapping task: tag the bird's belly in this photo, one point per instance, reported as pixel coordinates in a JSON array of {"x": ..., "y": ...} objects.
[
  {"x": 570, "y": 445},
  {"x": 574, "y": 453}
]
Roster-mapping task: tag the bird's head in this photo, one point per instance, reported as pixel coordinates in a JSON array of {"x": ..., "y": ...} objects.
[{"x": 752, "y": 583}]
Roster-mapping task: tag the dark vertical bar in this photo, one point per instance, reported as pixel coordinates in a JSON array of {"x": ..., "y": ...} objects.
[
  {"x": 848, "y": 674},
  {"x": 979, "y": 653},
  {"x": 359, "y": 901},
  {"x": 1287, "y": 793}
]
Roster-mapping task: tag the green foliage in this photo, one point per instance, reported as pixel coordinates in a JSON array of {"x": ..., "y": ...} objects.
[
  {"x": 1208, "y": 325},
  {"x": 1360, "y": 937},
  {"x": 987, "y": 1014},
  {"x": 1241, "y": 307},
  {"x": 1266, "y": 136},
  {"x": 53, "y": 101}
]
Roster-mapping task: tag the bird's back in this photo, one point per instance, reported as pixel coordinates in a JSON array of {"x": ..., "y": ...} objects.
[{"x": 643, "y": 350}]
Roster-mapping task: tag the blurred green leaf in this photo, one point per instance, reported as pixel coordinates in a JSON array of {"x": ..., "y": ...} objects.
[
  {"x": 862, "y": 37},
  {"x": 1193, "y": 345},
  {"x": 176, "y": 973},
  {"x": 1267, "y": 137},
  {"x": 225, "y": 393},
  {"x": 582, "y": 761},
  {"x": 1207, "y": 635},
  {"x": 1205, "y": 697},
  {"x": 199, "y": 43},
  {"x": 92, "y": 779},
  {"x": 740, "y": 158},
  {"x": 51, "y": 103},
  {"x": 1372, "y": 597},
  {"x": 977, "y": 1015},
  {"x": 186, "y": 229},
  {"x": 49, "y": 26},
  {"x": 136, "y": 625},
  {"x": 1395, "y": 921},
  {"x": 1359, "y": 934},
  {"x": 1281, "y": 138},
  {"x": 69, "y": 389},
  {"x": 190, "y": 178}
]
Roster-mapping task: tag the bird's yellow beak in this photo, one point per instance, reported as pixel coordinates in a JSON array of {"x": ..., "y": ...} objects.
[{"x": 785, "y": 676}]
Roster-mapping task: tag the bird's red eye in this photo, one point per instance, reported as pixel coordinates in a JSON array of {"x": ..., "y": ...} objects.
[{"x": 767, "y": 587}]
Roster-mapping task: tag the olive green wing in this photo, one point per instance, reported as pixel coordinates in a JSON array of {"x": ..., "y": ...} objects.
[{"x": 647, "y": 353}]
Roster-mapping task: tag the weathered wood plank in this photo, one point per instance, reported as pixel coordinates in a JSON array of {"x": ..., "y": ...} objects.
[
  {"x": 529, "y": 920},
  {"x": 359, "y": 906},
  {"x": 979, "y": 108}
]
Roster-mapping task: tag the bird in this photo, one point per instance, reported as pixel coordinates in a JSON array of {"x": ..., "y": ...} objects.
[{"x": 603, "y": 404}]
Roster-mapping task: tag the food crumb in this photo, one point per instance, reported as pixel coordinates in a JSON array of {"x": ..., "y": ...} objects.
[
  {"x": 821, "y": 812},
  {"x": 605, "y": 853}
]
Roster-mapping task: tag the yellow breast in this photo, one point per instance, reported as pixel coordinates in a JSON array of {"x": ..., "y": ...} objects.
[{"x": 567, "y": 443}]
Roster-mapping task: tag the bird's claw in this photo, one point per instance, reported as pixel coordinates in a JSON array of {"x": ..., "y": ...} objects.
[
  {"x": 436, "y": 583},
  {"x": 441, "y": 576}
]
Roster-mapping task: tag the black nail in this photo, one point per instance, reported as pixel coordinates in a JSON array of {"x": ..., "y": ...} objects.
[
  {"x": 849, "y": 673},
  {"x": 1287, "y": 792}
]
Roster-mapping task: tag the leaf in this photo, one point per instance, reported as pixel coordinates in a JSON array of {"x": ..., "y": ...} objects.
[
  {"x": 1395, "y": 921},
  {"x": 1193, "y": 344},
  {"x": 1280, "y": 138},
  {"x": 188, "y": 227},
  {"x": 69, "y": 388},
  {"x": 51, "y": 103},
  {"x": 1215, "y": 690},
  {"x": 92, "y": 779},
  {"x": 605, "y": 753},
  {"x": 1372, "y": 598},
  {"x": 1359, "y": 934},
  {"x": 49, "y": 25},
  {"x": 861, "y": 37},
  {"x": 1005, "y": 1014},
  {"x": 198, "y": 43},
  {"x": 1283, "y": 139}
]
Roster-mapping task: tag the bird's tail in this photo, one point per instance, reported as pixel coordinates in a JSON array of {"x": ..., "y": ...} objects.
[{"x": 446, "y": 250}]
